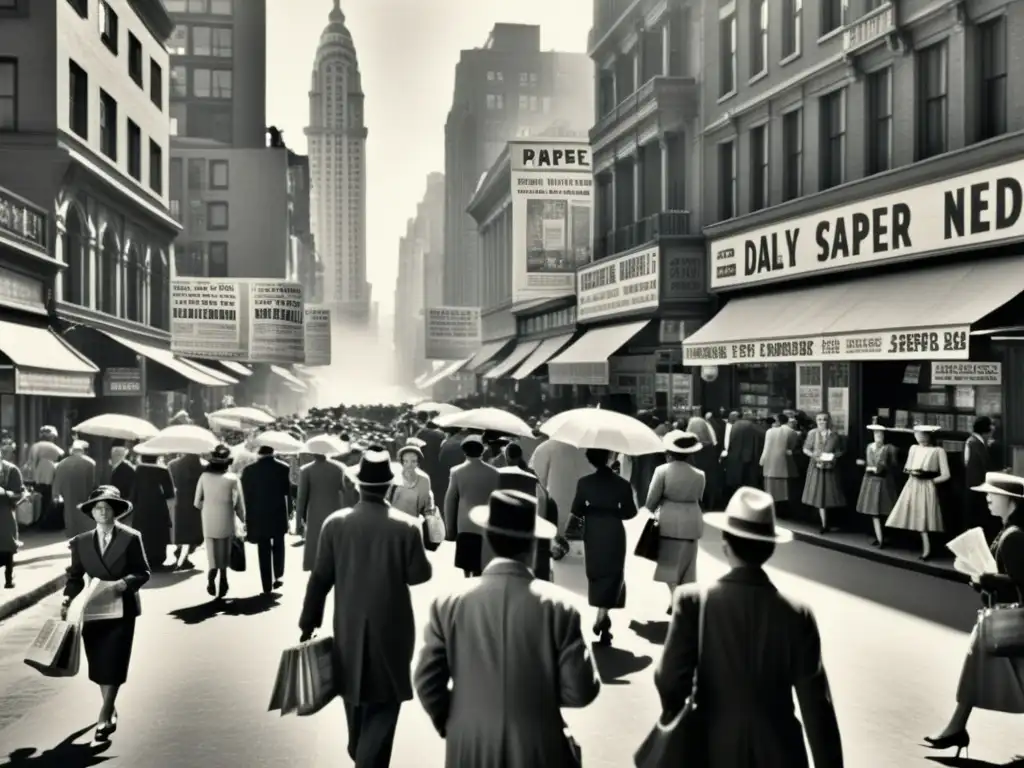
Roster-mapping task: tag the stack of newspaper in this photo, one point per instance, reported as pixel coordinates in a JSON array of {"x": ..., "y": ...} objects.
[{"x": 973, "y": 556}]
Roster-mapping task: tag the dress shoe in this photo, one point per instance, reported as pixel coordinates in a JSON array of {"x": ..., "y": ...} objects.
[{"x": 961, "y": 741}]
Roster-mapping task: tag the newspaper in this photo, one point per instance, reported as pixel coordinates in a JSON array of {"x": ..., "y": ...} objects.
[
  {"x": 103, "y": 602},
  {"x": 973, "y": 556}
]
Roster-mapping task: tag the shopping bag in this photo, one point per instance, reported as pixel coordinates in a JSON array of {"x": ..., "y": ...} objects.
[
  {"x": 647, "y": 545},
  {"x": 57, "y": 649},
  {"x": 27, "y": 510},
  {"x": 236, "y": 561},
  {"x": 282, "y": 698},
  {"x": 316, "y": 683},
  {"x": 1002, "y": 631},
  {"x": 434, "y": 527}
]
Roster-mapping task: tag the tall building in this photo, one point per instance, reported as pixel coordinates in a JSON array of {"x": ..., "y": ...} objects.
[
  {"x": 431, "y": 210},
  {"x": 308, "y": 268},
  {"x": 336, "y": 140},
  {"x": 506, "y": 89}
]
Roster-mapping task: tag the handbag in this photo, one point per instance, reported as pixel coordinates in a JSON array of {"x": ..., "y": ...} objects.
[
  {"x": 1001, "y": 628},
  {"x": 434, "y": 529},
  {"x": 647, "y": 544},
  {"x": 236, "y": 560},
  {"x": 682, "y": 740}
]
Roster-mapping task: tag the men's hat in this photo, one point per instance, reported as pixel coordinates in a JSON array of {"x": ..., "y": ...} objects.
[
  {"x": 750, "y": 514},
  {"x": 111, "y": 495},
  {"x": 472, "y": 439},
  {"x": 375, "y": 467},
  {"x": 516, "y": 479},
  {"x": 221, "y": 455},
  {"x": 875, "y": 428},
  {"x": 512, "y": 513},
  {"x": 1002, "y": 484},
  {"x": 680, "y": 442}
]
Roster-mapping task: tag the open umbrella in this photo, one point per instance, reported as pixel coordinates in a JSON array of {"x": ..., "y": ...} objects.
[
  {"x": 487, "y": 419},
  {"x": 597, "y": 428},
  {"x": 241, "y": 415},
  {"x": 118, "y": 427},
  {"x": 437, "y": 409},
  {"x": 326, "y": 445},
  {"x": 281, "y": 442},
  {"x": 182, "y": 438}
]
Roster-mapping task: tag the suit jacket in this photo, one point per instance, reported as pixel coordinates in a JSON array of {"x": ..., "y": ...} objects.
[
  {"x": 470, "y": 486},
  {"x": 125, "y": 559},
  {"x": 1008, "y": 550},
  {"x": 780, "y": 445},
  {"x": 369, "y": 555},
  {"x": 431, "y": 464},
  {"x": 506, "y": 641},
  {"x": 266, "y": 486},
  {"x": 975, "y": 466},
  {"x": 742, "y": 463},
  {"x": 73, "y": 480},
  {"x": 322, "y": 487},
  {"x": 758, "y": 647},
  {"x": 122, "y": 477},
  {"x": 449, "y": 456}
]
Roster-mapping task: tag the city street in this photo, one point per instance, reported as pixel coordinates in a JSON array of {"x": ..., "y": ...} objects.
[{"x": 893, "y": 644}]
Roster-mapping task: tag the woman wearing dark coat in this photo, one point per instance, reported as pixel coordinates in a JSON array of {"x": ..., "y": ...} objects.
[
  {"x": 603, "y": 501},
  {"x": 152, "y": 500},
  {"x": 186, "y": 519},
  {"x": 708, "y": 461},
  {"x": 113, "y": 555}
]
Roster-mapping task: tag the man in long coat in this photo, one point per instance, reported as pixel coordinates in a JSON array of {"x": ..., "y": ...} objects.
[
  {"x": 370, "y": 555},
  {"x": 742, "y": 459},
  {"x": 73, "y": 480},
  {"x": 449, "y": 457},
  {"x": 976, "y": 464},
  {"x": 470, "y": 486},
  {"x": 266, "y": 487},
  {"x": 322, "y": 490},
  {"x": 186, "y": 520},
  {"x": 433, "y": 438},
  {"x": 122, "y": 472}
]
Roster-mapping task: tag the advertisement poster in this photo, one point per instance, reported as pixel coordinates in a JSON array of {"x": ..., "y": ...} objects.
[
  {"x": 246, "y": 320},
  {"x": 453, "y": 333},
  {"x": 839, "y": 408},
  {"x": 551, "y": 216},
  {"x": 317, "y": 334},
  {"x": 615, "y": 287},
  {"x": 809, "y": 388},
  {"x": 974, "y": 374}
]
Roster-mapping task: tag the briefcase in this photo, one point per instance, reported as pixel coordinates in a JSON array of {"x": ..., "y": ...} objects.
[{"x": 236, "y": 561}]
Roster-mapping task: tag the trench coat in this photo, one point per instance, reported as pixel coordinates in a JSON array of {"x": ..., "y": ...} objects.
[
  {"x": 370, "y": 555},
  {"x": 470, "y": 485},
  {"x": 267, "y": 488},
  {"x": 559, "y": 467},
  {"x": 186, "y": 520},
  {"x": 742, "y": 461},
  {"x": 431, "y": 464},
  {"x": 322, "y": 485},
  {"x": 10, "y": 480},
  {"x": 73, "y": 480},
  {"x": 507, "y": 641}
]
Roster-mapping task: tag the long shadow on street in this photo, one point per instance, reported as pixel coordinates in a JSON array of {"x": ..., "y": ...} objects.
[
  {"x": 164, "y": 579},
  {"x": 242, "y": 606},
  {"x": 615, "y": 664},
  {"x": 963, "y": 762},
  {"x": 68, "y": 754}
]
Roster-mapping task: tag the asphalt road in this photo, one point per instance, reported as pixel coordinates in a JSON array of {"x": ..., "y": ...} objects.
[{"x": 200, "y": 682}]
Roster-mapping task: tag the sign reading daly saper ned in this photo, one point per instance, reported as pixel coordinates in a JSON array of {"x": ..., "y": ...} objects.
[
  {"x": 617, "y": 286},
  {"x": 947, "y": 343},
  {"x": 966, "y": 211},
  {"x": 453, "y": 333},
  {"x": 967, "y": 374}
]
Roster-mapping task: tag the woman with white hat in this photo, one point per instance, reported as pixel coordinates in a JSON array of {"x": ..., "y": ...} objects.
[
  {"x": 411, "y": 491},
  {"x": 990, "y": 682},
  {"x": 917, "y": 508},
  {"x": 878, "y": 489}
]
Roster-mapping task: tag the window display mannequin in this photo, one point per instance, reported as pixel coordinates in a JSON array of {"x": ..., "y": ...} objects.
[
  {"x": 917, "y": 508},
  {"x": 822, "y": 488},
  {"x": 878, "y": 489}
]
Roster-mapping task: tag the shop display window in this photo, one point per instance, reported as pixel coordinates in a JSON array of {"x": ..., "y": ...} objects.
[
  {"x": 8, "y": 418},
  {"x": 766, "y": 388}
]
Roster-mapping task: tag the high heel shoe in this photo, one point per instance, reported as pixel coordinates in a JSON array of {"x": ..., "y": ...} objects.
[{"x": 961, "y": 741}]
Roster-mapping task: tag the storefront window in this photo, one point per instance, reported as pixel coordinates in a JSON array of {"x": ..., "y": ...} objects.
[
  {"x": 8, "y": 416},
  {"x": 766, "y": 388}
]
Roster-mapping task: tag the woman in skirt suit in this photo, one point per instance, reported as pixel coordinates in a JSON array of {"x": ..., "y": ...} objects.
[
  {"x": 990, "y": 682},
  {"x": 219, "y": 498},
  {"x": 822, "y": 489},
  {"x": 917, "y": 508},
  {"x": 674, "y": 497},
  {"x": 777, "y": 463},
  {"x": 113, "y": 554},
  {"x": 878, "y": 489}
]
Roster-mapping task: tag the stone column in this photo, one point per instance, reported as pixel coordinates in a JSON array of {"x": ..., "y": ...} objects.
[
  {"x": 613, "y": 192},
  {"x": 638, "y": 181},
  {"x": 61, "y": 256},
  {"x": 666, "y": 44},
  {"x": 664, "y": 154},
  {"x": 92, "y": 285}
]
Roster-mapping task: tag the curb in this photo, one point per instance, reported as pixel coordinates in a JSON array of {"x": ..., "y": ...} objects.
[
  {"x": 928, "y": 569},
  {"x": 26, "y": 600}
]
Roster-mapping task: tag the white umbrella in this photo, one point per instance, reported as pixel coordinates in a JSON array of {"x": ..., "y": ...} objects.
[
  {"x": 182, "y": 438},
  {"x": 118, "y": 427},
  {"x": 326, "y": 445},
  {"x": 596, "y": 428},
  {"x": 241, "y": 414},
  {"x": 438, "y": 409},
  {"x": 281, "y": 442},
  {"x": 488, "y": 419}
]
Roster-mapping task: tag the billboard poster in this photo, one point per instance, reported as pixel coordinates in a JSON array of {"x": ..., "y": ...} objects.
[
  {"x": 453, "y": 333},
  {"x": 552, "y": 199},
  {"x": 246, "y": 320},
  {"x": 317, "y": 333}
]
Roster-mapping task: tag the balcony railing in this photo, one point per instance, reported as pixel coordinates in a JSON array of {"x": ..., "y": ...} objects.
[
  {"x": 649, "y": 229},
  {"x": 669, "y": 93},
  {"x": 870, "y": 28},
  {"x": 22, "y": 221}
]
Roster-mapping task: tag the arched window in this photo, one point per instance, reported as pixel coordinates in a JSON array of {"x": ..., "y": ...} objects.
[
  {"x": 77, "y": 274},
  {"x": 159, "y": 291},
  {"x": 133, "y": 285},
  {"x": 109, "y": 262}
]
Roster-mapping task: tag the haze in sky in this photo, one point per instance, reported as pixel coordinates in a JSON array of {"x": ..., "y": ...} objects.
[{"x": 407, "y": 53}]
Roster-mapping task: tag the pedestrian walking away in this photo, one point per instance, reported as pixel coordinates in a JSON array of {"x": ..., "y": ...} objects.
[
  {"x": 470, "y": 486},
  {"x": 221, "y": 502},
  {"x": 266, "y": 487},
  {"x": 153, "y": 496},
  {"x": 186, "y": 519},
  {"x": 322, "y": 490}
]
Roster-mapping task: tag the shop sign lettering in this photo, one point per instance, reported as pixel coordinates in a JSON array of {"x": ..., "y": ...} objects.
[
  {"x": 967, "y": 211},
  {"x": 618, "y": 286},
  {"x": 967, "y": 374}
]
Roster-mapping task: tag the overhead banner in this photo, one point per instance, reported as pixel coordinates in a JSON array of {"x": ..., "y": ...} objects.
[
  {"x": 453, "y": 333},
  {"x": 618, "y": 286},
  {"x": 967, "y": 374},
  {"x": 551, "y": 212},
  {"x": 967, "y": 211},
  {"x": 947, "y": 343},
  {"x": 317, "y": 333},
  {"x": 246, "y": 320}
]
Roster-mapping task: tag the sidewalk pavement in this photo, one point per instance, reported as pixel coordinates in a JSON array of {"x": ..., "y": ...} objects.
[{"x": 39, "y": 570}]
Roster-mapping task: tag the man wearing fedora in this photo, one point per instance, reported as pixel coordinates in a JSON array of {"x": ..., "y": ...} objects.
[
  {"x": 516, "y": 478},
  {"x": 758, "y": 647},
  {"x": 370, "y": 555},
  {"x": 267, "y": 488},
  {"x": 496, "y": 649},
  {"x": 470, "y": 485}
]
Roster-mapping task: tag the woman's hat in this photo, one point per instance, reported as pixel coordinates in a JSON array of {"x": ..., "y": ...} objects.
[
  {"x": 110, "y": 495},
  {"x": 680, "y": 442},
  {"x": 375, "y": 467},
  {"x": 412, "y": 445},
  {"x": 927, "y": 428},
  {"x": 875, "y": 428},
  {"x": 750, "y": 514},
  {"x": 512, "y": 513},
  {"x": 1002, "y": 484},
  {"x": 221, "y": 455}
]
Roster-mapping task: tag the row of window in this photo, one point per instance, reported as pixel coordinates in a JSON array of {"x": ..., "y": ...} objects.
[
  {"x": 215, "y": 7},
  {"x": 496, "y": 101},
  {"x": 203, "y": 174},
  {"x": 525, "y": 78},
  {"x": 215, "y": 42},
  {"x": 211, "y": 216},
  {"x": 206, "y": 83},
  {"x": 201, "y": 259}
]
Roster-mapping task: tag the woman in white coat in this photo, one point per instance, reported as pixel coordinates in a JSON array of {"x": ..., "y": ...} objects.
[{"x": 219, "y": 499}]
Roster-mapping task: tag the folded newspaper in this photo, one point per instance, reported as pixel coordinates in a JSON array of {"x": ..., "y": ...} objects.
[{"x": 972, "y": 553}]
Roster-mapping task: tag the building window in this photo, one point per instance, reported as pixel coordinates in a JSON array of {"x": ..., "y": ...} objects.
[
  {"x": 177, "y": 43},
  {"x": 156, "y": 167},
  {"x": 201, "y": 83},
  {"x": 216, "y": 216},
  {"x": 221, "y": 43},
  {"x": 221, "y": 7},
  {"x": 524, "y": 78},
  {"x": 759, "y": 167},
  {"x": 156, "y": 84},
  {"x": 221, "y": 85},
  {"x": 201, "y": 41},
  {"x": 831, "y": 15},
  {"x": 727, "y": 52},
  {"x": 832, "y": 121},
  {"x": 81, "y": 7},
  {"x": 78, "y": 100},
  {"x": 759, "y": 38},
  {"x": 792, "y": 27},
  {"x": 217, "y": 260},
  {"x": 196, "y": 171},
  {"x": 726, "y": 180},
  {"x": 219, "y": 174},
  {"x": 134, "y": 151},
  {"x": 108, "y": 125},
  {"x": 792, "y": 154},
  {"x": 107, "y": 21},
  {"x": 992, "y": 67},
  {"x": 879, "y": 94},
  {"x": 524, "y": 102},
  {"x": 8, "y": 94},
  {"x": 135, "y": 59},
  {"x": 932, "y": 107},
  {"x": 179, "y": 81},
  {"x": 198, "y": 6}
]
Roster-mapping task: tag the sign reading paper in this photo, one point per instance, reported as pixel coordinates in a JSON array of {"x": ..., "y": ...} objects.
[
  {"x": 247, "y": 320},
  {"x": 318, "y": 335},
  {"x": 967, "y": 374},
  {"x": 453, "y": 333},
  {"x": 617, "y": 286}
]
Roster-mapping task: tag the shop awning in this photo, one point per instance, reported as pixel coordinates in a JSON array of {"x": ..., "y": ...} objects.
[
  {"x": 522, "y": 351},
  {"x": 449, "y": 369},
  {"x": 45, "y": 364},
  {"x": 484, "y": 355},
  {"x": 167, "y": 359},
  {"x": 925, "y": 314},
  {"x": 289, "y": 377},
  {"x": 210, "y": 371},
  {"x": 234, "y": 367},
  {"x": 586, "y": 361},
  {"x": 544, "y": 352}
]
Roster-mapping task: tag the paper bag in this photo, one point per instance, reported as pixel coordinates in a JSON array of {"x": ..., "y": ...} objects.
[
  {"x": 282, "y": 698},
  {"x": 57, "y": 649},
  {"x": 316, "y": 686}
]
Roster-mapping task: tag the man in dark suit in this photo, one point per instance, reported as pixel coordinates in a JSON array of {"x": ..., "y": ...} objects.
[
  {"x": 267, "y": 487},
  {"x": 759, "y": 646},
  {"x": 977, "y": 461},
  {"x": 450, "y": 455},
  {"x": 742, "y": 453},
  {"x": 433, "y": 438},
  {"x": 122, "y": 474},
  {"x": 470, "y": 486},
  {"x": 370, "y": 555}
]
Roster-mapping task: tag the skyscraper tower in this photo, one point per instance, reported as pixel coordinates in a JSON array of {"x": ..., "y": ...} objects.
[{"x": 336, "y": 138}]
